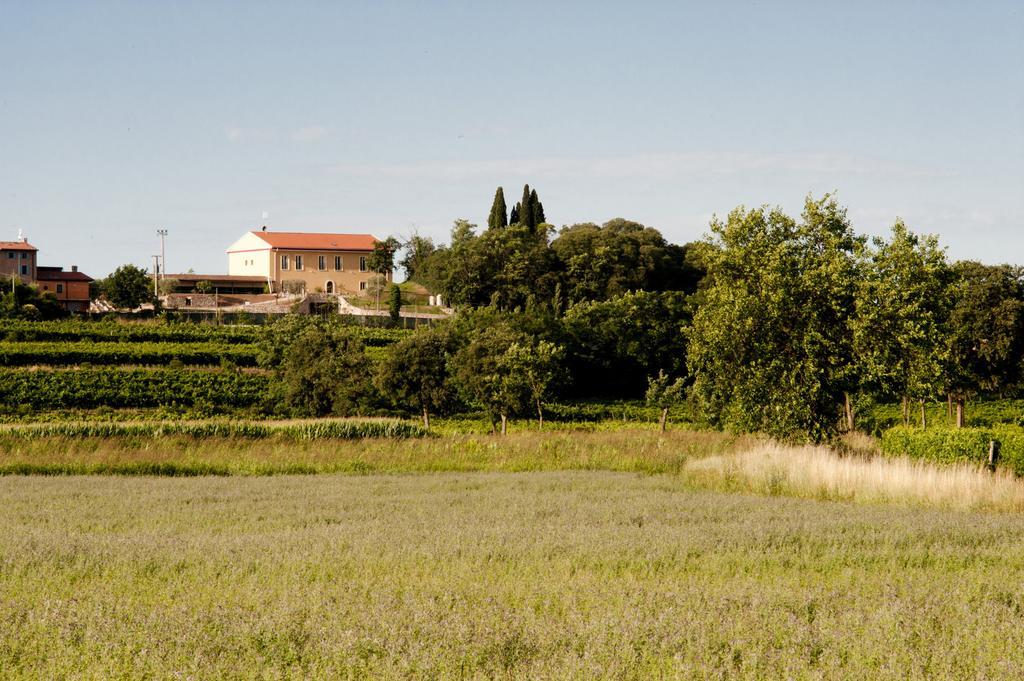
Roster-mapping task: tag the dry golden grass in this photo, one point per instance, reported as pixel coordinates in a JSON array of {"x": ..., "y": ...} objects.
[{"x": 822, "y": 473}]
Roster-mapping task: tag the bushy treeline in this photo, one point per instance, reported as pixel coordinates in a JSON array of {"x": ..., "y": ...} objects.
[
  {"x": 518, "y": 262},
  {"x": 800, "y": 319},
  {"x": 775, "y": 324},
  {"x": 503, "y": 363}
]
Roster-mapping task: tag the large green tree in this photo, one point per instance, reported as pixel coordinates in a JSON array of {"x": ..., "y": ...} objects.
[
  {"x": 128, "y": 287},
  {"x": 505, "y": 267},
  {"x": 324, "y": 370},
  {"x": 618, "y": 257},
  {"x": 900, "y": 312},
  {"x": 770, "y": 345},
  {"x": 382, "y": 259},
  {"x": 985, "y": 331},
  {"x": 415, "y": 374},
  {"x": 486, "y": 378},
  {"x": 614, "y": 345}
]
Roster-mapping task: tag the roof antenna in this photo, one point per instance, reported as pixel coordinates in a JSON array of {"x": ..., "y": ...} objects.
[
  {"x": 265, "y": 216},
  {"x": 21, "y": 235}
]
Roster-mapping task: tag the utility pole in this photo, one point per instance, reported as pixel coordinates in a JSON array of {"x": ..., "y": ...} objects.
[
  {"x": 163, "y": 258},
  {"x": 156, "y": 276}
]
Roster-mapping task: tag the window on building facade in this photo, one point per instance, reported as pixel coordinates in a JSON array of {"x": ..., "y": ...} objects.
[
  {"x": 10, "y": 255},
  {"x": 298, "y": 263},
  {"x": 24, "y": 269},
  {"x": 321, "y": 262},
  {"x": 362, "y": 263},
  {"x": 284, "y": 262},
  {"x": 362, "y": 286},
  {"x": 337, "y": 263},
  {"x": 60, "y": 288},
  {"x": 24, "y": 256}
]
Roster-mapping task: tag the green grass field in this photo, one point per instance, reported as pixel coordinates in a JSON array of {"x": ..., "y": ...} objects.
[{"x": 510, "y": 575}]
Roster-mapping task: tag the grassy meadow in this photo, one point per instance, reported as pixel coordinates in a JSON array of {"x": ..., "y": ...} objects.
[{"x": 585, "y": 574}]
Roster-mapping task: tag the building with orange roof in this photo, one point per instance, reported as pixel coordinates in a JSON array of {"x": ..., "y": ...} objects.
[
  {"x": 18, "y": 259},
  {"x": 304, "y": 261}
]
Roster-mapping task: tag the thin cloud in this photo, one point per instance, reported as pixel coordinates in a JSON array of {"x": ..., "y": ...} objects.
[
  {"x": 310, "y": 133},
  {"x": 239, "y": 135},
  {"x": 665, "y": 166}
]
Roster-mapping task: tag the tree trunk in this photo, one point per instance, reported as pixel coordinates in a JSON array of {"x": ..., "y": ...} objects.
[
  {"x": 924, "y": 418},
  {"x": 960, "y": 411},
  {"x": 504, "y": 424},
  {"x": 906, "y": 415},
  {"x": 426, "y": 419},
  {"x": 494, "y": 424},
  {"x": 848, "y": 409},
  {"x": 540, "y": 416},
  {"x": 664, "y": 418},
  {"x": 949, "y": 407}
]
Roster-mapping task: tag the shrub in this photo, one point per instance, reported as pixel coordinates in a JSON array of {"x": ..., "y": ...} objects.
[{"x": 949, "y": 445}]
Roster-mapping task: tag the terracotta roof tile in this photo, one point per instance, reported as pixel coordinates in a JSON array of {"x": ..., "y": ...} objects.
[
  {"x": 312, "y": 241},
  {"x": 17, "y": 246}
]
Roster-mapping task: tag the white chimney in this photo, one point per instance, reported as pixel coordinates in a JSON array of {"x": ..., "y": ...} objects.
[{"x": 21, "y": 236}]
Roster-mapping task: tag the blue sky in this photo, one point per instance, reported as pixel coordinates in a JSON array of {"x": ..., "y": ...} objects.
[{"x": 120, "y": 118}]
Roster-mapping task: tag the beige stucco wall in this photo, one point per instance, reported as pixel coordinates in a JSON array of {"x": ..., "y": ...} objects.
[{"x": 345, "y": 280}]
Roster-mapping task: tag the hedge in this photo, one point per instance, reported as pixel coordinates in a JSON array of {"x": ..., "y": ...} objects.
[
  {"x": 121, "y": 388},
  {"x": 75, "y": 330},
  {"x": 963, "y": 445},
  {"x": 146, "y": 353},
  {"x": 313, "y": 430}
]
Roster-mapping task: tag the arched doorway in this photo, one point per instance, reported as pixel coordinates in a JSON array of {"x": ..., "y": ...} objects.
[{"x": 330, "y": 287}]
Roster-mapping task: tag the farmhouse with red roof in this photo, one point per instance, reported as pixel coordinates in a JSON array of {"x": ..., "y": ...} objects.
[{"x": 304, "y": 261}]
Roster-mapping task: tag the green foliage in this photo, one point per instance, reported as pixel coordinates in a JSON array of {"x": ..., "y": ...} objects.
[
  {"x": 619, "y": 257},
  {"x": 613, "y": 345},
  {"x": 485, "y": 377},
  {"x": 130, "y": 388},
  {"x": 529, "y": 212},
  {"x": 74, "y": 330},
  {"x": 664, "y": 393},
  {"x": 64, "y": 353},
  {"x": 395, "y": 302},
  {"x": 325, "y": 371},
  {"x": 498, "y": 217},
  {"x": 900, "y": 312},
  {"x": 128, "y": 287},
  {"x": 317, "y": 430},
  {"x": 985, "y": 338},
  {"x": 770, "y": 346},
  {"x": 27, "y": 302},
  {"x": 505, "y": 267},
  {"x": 957, "y": 445},
  {"x": 538, "y": 363},
  {"x": 416, "y": 261},
  {"x": 416, "y": 374},
  {"x": 204, "y": 286},
  {"x": 382, "y": 259}
]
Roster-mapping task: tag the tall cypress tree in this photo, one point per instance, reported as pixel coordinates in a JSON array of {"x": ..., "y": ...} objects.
[
  {"x": 536, "y": 209},
  {"x": 526, "y": 209},
  {"x": 514, "y": 217},
  {"x": 497, "y": 218}
]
